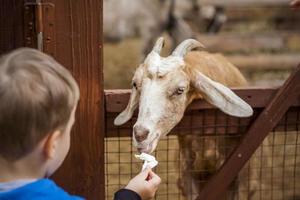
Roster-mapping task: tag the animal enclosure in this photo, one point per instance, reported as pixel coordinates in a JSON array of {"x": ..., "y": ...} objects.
[
  {"x": 273, "y": 171},
  {"x": 275, "y": 164}
]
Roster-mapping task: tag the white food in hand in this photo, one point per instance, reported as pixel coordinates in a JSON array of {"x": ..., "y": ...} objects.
[{"x": 149, "y": 160}]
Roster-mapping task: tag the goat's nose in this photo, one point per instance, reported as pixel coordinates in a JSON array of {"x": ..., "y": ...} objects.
[{"x": 140, "y": 133}]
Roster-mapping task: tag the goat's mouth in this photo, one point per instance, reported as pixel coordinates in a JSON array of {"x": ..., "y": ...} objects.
[{"x": 148, "y": 147}]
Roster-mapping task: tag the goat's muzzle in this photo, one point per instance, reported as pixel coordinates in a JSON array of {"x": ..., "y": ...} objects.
[{"x": 140, "y": 133}]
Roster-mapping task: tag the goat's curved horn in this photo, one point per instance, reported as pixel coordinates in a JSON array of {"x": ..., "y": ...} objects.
[
  {"x": 187, "y": 45},
  {"x": 158, "y": 45}
]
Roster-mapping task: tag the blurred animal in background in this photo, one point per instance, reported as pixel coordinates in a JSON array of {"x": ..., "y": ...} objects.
[
  {"x": 205, "y": 18},
  {"x": 163, "y": 87},
  {"x": 149, "y": 19}
]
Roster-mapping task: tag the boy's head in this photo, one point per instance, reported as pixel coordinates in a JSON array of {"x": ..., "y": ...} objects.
[{"x": 38, "y": 98}]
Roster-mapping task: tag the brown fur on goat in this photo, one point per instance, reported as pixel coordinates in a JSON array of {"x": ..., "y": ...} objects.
[{"x": 214, "y": 66}]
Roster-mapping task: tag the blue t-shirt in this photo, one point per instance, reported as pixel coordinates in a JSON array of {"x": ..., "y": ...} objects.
[{"x": 44, "y": 189}]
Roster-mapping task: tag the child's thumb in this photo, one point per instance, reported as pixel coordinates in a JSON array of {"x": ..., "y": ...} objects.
[{"x": 144, "y": 174}]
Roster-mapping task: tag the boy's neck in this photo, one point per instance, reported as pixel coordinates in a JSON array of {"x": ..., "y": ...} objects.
[{"x": 25, "y": 168}]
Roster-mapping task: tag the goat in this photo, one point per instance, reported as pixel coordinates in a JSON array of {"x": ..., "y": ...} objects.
[
  {"x": 151, "y": 18},
  {"x": 145, "y": 18},
  {"x": 164, "y": 86}
]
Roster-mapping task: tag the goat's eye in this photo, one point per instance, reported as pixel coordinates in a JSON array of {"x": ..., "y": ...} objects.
[
  {"x": 134, "y": 85},
  {"x": 179, "y": 91}
]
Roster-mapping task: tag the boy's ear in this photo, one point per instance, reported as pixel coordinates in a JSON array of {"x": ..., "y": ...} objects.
[{"x": 50, "y": 144}]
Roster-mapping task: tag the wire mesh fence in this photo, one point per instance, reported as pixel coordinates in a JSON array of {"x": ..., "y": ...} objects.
[{"x": 199, "y": 145}]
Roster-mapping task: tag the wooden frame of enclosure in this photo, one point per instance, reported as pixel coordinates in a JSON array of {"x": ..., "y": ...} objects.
[
  {"x": 71, "y": 31},
  {"x": 274, "y": 102}
]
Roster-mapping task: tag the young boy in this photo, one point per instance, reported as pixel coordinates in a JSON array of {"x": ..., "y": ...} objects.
[{"x": 38, "y": 99}]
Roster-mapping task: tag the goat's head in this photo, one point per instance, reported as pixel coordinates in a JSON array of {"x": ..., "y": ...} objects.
[{"x": 163, "y": 87}]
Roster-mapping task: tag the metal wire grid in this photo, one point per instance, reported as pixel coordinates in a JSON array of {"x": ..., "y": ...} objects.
[{"x": 272, "y": 172}]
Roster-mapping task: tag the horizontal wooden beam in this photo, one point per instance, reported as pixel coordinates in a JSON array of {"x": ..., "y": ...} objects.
[
  {"x": 116, "y": 100},
  {"x": 251, "y": 42},
  {"x": 243, "y": 3},
  {"x": 265, "y": 61},
  {"x": 206, "y": 119}
]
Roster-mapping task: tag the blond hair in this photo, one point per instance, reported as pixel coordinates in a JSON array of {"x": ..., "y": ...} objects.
[{"x": 37, "y": 96}]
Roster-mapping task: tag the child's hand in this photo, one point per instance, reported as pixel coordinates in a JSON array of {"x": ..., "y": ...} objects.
[{"x": 145, "y": 184}]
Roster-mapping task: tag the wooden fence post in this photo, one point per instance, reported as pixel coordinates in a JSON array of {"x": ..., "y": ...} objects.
[
  {"x": 72, "y": 33},
  {"x": 258, "y": 131}
]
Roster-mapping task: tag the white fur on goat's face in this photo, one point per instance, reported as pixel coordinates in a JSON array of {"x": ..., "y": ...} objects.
[
  {"x": 162, "y": 88},
  {"x": 161, "y": 105}
]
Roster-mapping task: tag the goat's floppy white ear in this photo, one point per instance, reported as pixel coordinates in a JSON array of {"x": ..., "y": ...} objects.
[
  {"x": 124, "y": 116},
  {"x": 221, "y": 96}
]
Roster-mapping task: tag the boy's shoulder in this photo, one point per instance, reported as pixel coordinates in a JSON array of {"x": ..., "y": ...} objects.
[{"x": 41, "y": 189}]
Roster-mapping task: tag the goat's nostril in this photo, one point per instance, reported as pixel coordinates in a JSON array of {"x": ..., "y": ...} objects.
[
  {"x": 140, "y": 133},
  {"x": 141, "y": 138}
]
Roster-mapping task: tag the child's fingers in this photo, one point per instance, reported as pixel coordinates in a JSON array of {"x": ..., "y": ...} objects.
[
  {"x": 154, "y": 178},
  {"x": 151, "y": 174},
  {"x": 145, "y": 173}
]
